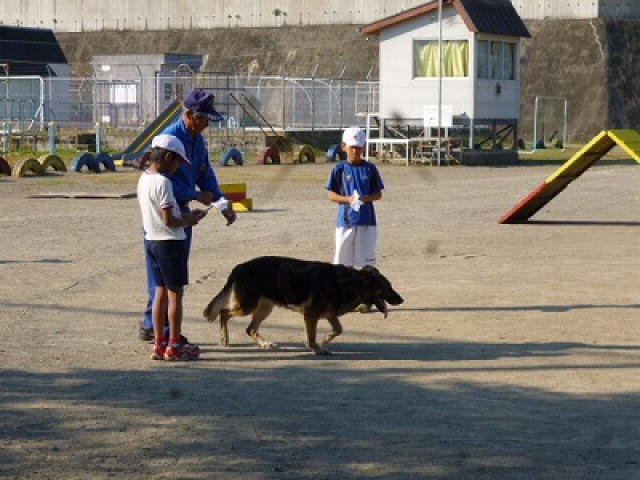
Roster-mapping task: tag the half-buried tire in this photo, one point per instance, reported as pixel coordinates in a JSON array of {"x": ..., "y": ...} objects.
[
  {"x": 25, "y": 166},
  {"x": 52, "y": 161},
  {"x": 231, "y": 154},
  {"x": 306, "y": 154},
  {"x": 106, "y": 161},
  {"x": 5, "y": 168},
  {"x": 335, "y": 153},
  {"x": 85, "y": 160},
  {"x": 270, "y": 155}
]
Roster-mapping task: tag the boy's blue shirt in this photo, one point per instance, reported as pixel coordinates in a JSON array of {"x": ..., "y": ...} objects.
[{"x": 344, "y": 179}]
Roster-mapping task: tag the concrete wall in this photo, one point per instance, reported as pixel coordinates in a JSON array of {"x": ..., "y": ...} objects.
[
  {"x": 142, "y": 15},
  {"x": 541, "y": 9},
  {"x": 592, "y": 65},
  {"x": 96, "y": 15}
]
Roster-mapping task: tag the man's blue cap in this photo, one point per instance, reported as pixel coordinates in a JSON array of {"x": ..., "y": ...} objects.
[{"x": 201, "y": 103}]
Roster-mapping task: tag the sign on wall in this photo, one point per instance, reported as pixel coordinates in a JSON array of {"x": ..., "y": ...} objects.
[{"x": 431, "y": 116}]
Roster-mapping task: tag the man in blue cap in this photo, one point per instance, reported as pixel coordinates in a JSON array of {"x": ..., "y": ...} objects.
[{"x": 194, "y": 181}]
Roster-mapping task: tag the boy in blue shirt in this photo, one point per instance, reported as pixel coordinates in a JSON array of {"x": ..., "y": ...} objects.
[{"x": 354, "y": 184}]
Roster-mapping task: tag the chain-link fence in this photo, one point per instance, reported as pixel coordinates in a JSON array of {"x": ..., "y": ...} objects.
[{"x": 285, "y": 103}]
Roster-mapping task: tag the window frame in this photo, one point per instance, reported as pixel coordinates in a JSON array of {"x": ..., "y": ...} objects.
[
  {"x": 418, "y": 44},
  {"x": 496, "y": 59}
]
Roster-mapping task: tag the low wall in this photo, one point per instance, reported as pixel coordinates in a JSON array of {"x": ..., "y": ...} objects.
[{"x": 489, "y": 158}]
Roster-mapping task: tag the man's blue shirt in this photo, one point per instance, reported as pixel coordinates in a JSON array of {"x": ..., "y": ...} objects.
[{"x": 199, "y": 173}]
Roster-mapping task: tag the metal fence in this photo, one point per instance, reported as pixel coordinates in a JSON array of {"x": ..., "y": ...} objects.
[{"x": 286, "y": 103}]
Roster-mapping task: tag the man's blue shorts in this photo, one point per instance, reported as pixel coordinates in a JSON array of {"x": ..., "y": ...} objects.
[{"x": 169, "y": 262}]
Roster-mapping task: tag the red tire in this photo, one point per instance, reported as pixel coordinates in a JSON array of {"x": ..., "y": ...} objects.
[
  {"x": 270, "y": 155},
  {"x": 5, "y": 168}
]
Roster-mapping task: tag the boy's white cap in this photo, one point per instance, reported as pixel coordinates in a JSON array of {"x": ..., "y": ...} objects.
[
  {"x": 353, "y": 137},
  {"x": 171, "y": 143}
]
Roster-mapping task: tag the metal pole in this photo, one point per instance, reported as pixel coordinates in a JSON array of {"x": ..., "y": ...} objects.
[
  {"x": 565, "y": 136},
  {"x": 98, "y": 138},
  {"x": 344, "y": 68},
  {"x": 535, "y": 125},
  {"x": 140, "y": 100},
  {"x": 42, "y": 102},
  {"x": 5, "y": 142},
  {"x": 313, "y": 97},
  {"x": 52, "y": 138},
  {"x": 284, "y": 110},
  {"x": 440, "y": 65}
]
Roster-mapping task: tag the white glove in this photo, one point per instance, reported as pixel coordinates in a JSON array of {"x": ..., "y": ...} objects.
[
  {"x": 221, "y": 204},
  {"x": 356, "y": 203}
]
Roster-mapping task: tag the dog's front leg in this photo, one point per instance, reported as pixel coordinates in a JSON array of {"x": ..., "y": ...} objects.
[
  {"x": 261, "y": 341},
  {"x": 336, "y": 329},
  {"x": 259, "y": 316},
  {"x": 310, "y": 328}
]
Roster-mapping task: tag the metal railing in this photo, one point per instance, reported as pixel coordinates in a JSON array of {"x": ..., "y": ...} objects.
[{"x": 288, "y": 103}]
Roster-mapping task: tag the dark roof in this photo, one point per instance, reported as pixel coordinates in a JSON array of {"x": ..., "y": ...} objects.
[
  {"x": 28, "y": 51},
  {"x": 498, "y": 17}
]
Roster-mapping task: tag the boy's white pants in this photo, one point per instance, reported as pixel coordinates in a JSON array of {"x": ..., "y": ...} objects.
[{"x": 356, "y": 246}]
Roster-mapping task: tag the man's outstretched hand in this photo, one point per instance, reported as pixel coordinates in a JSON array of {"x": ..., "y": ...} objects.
[{"x": 230, "y": 215}]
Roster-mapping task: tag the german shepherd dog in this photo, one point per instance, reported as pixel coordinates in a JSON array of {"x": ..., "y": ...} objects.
[{"x": 314, "y": 289}]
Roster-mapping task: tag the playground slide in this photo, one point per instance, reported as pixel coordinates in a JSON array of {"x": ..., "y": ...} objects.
[{"x": 142, "y": 141}]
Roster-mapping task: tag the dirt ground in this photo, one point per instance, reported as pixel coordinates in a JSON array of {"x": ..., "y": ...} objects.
[{"x": 515, "y": 355}]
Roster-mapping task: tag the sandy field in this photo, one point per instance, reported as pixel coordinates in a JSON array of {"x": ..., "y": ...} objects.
[{"x": 515, "y": 355}]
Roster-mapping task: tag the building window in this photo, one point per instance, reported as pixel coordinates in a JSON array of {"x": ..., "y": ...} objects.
[
  {"x": 496, "y": 60},
  {"x": 455, "y": 58}
]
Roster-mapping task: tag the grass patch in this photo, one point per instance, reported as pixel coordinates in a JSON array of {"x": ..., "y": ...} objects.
[{"x": 555, "y": 155}]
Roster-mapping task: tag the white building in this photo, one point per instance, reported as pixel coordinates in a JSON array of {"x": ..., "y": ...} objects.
[{"x": 480, "y": 80}]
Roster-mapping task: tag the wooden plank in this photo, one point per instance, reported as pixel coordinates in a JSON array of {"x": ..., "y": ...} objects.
[
  {"x": 233, "y": 188},
  {"x": 83, "y": 195},
  {"x": 629, "y": 141},
  {"x": 599, "y": 146}
]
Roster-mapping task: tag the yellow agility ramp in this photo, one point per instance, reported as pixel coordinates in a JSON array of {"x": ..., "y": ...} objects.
[{"x": 628, "y": 140}]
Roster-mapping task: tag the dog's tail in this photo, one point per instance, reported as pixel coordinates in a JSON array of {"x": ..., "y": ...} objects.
[{"x": 220, "y": 301}]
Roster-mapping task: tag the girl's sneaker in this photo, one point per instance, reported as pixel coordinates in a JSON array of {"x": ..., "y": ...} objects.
[
  {"x": 158, "y": 352},
  {"x": 182, "y": 353}
]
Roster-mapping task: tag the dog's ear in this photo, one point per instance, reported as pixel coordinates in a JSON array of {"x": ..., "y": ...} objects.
[{"x": 369, "y": 268}]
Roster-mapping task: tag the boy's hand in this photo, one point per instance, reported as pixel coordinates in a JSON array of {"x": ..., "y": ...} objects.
[
  {"x": 200, "y": 213},
  {"x": 192, "y": 218}
]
